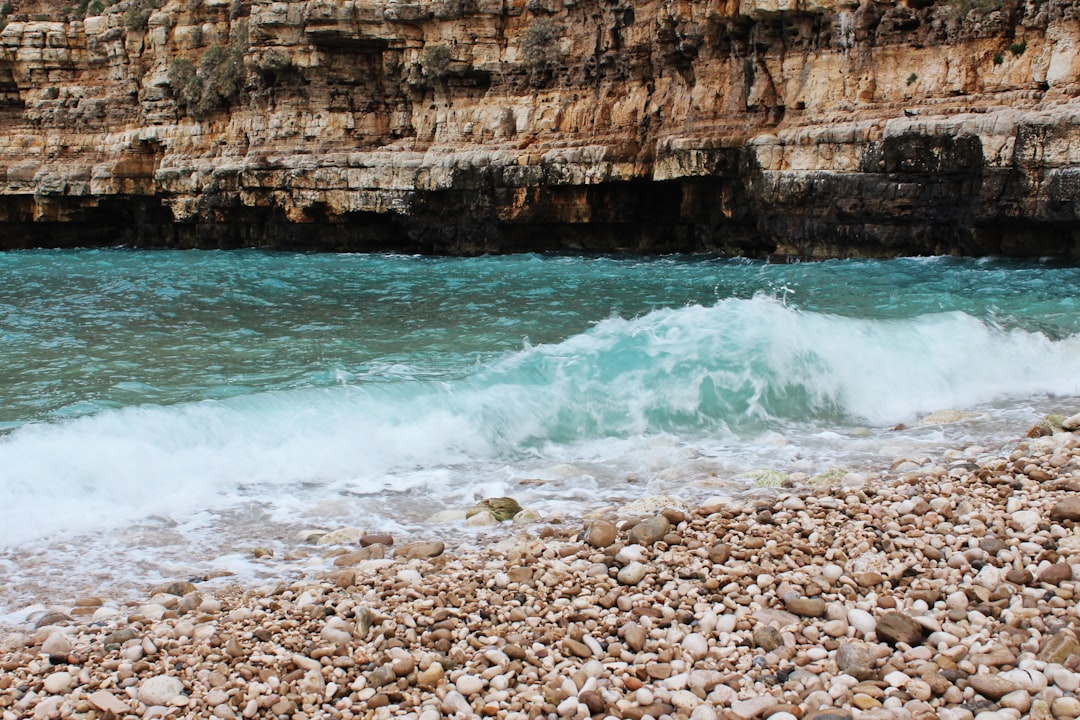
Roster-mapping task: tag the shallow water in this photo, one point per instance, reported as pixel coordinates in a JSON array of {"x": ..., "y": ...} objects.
[{"x": 161, "y": 413}]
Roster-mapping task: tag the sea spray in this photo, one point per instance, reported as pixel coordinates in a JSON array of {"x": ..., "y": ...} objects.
[{"x": 195, "y": 403}]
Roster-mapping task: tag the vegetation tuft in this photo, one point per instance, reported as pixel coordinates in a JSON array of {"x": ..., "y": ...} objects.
[
  {"x": 436, "y": 61},
  {"x": 218, "y": 79}
]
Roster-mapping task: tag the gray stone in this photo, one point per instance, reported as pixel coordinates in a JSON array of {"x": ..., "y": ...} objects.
[
  {"x": 856, "y": 660},
  {"x": 767, "y": 638},
  {"x": 159, "y": 690}
]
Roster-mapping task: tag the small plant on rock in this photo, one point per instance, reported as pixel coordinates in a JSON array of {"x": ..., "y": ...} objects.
[
  {"x": 912, "y": 78},
  {"x": 436, "y": 61},
  {"x": 1018, "y": 49},
  {"x": 217, "y": 80},
  {"x": 540, "y": 49},
  {"x": 998, "y": 58}
]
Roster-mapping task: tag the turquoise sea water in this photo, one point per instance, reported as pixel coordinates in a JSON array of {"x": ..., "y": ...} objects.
[{"x": 178, "y": 407}]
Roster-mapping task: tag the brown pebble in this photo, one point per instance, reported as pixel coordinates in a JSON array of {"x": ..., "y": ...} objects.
[
  {"x": 649, "y": 531},
  {"x": 719, "y": 553},
  {"x": 576, "y": 648},
  {"x": 1056, "y": 574},
  {"x": 1067, "y": 509},
  {"x": 594, "y": 701},
  {"x": 377, "y": 538},
  {"x": 601, "y": 533},
  {"x": 895, "y": 627}
]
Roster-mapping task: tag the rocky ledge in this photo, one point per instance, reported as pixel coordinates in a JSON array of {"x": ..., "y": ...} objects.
[
  {"x": 951, "y": 593},
  {"x": 816, "y": 128}
]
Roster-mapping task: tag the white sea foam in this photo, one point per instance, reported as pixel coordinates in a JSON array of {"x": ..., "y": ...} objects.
[{"x": 671, "y": 401}]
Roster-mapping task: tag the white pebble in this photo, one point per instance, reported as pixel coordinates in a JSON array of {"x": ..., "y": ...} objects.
[
  {"x": 469, "y": 685},
  {"x": 696, "y": 645},
  {"x": 863, "y": 622},
  {"x": 57, "y": 683}
]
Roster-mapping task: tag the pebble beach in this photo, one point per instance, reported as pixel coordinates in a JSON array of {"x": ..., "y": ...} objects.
[{"x": 950, "y": 591}]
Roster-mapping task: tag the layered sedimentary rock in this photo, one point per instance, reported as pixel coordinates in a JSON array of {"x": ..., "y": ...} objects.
[{"x": 756, "y": 127}]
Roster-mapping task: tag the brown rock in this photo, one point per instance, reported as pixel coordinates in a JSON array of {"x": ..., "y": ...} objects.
[
  {"x": 992, "y": 545},
  {"x": 804, "y": 606},
  {"x": 831, "y": 713},
  {"x": 180, "y": 588},
  {"x": 594, "y": 701},
  {"x": 996, "y": 657},
  {"x": 719, "y": 553},
  {"x": 503, "y": 508},
  {"x": 520, "y": 574},
  {"x": 992, "y": 686},
  {"x": 896, "y": 627},
  {"x": 576, "y": 648},
  {"x": 1067, "y": 509},
  {"x": 635, "y": 636},
  {"x": 377, "y": 539},
  {"x": 420, "y": 550},
  {"x": 767, "y": 637},
  {"x": 649, "y": 531},
  {"x": 855, "y": 659},
  {"x": 1058, "y": 647},
  {"x": 869, "y": 579},
  {"x": 1056, "y": 574},
  {"x": 658, "y": 670},
  {"x": 371, "y": 552},
  {"x": 1019, "y": 576},
  {"x": 655, "y": 710},
  {"x": 601, "y": 533}
]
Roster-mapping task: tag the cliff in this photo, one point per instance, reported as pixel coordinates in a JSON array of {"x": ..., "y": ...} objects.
[{"x": 808, "y": 128}]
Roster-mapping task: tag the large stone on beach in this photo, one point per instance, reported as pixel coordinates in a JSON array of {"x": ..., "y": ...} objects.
[
  {"x": 600, "y": 533},
  {"x": 107, "y": 702},
  {"x": 897, "y": 627},
  {"x": 1056, "y": 574},
  {"x": 649, "y": 531},
  {"x": 1058, "y": 647},
  {"x": 502, "y": 508},
  {"x": 160, "y": 690},
  {"x": 632, "y": 574},
  {"x": 341, "y": 536},
  {"x": 1071, "y": 423},
  {"x": 1067, "y": 509},
  {"x": 420, "y": 550},
  {"x": 992, "y": 686},
  {"x": 180, "y": 588},
  {"x": 56, "y": 644},
  {"x": 804, "y": 606},
  {"x": 856, "y": 660}
]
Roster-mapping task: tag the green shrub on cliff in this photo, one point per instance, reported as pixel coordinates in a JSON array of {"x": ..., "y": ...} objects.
[
  {"x": 217, "y": 80},
  {"x": 436, "y": 61},
  {"x": 540, "y": 50},
  {"x": 137, "y": 15}
]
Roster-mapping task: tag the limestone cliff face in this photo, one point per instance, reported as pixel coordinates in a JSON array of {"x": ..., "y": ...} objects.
[{"x": 808, "y": 128}]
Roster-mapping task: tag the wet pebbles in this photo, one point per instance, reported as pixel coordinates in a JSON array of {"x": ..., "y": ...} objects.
[{"x": 949, "y": 592}]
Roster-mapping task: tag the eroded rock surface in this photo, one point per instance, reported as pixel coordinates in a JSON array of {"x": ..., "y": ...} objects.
[{"x": 758, "y": 127}]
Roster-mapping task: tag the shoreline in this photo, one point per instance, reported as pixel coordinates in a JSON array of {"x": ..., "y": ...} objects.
[{"x": 950, "y": 592}]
